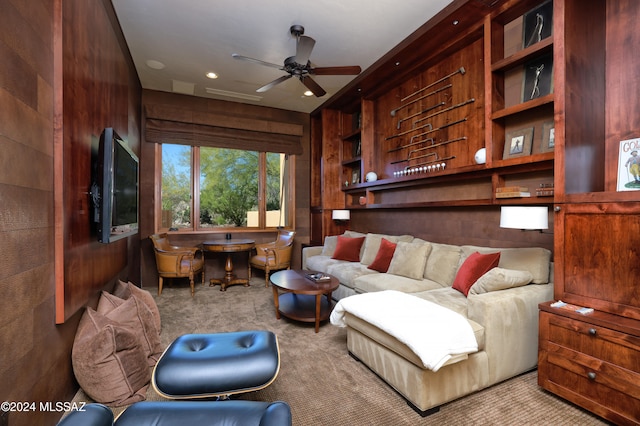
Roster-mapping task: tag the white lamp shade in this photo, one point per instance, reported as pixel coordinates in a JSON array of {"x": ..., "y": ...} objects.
[
  {"x": 524, "y": 217},
  {"x": 341, "y": 215}
]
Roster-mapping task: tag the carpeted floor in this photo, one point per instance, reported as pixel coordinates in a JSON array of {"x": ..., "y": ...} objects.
[{"x": 325, "y": 386}]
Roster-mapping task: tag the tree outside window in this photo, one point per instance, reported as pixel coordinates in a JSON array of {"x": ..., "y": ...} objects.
[{"x": 229, "y": 189}]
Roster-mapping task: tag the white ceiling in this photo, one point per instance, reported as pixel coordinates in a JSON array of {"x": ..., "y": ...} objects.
[{"x": 193, "y": 37}]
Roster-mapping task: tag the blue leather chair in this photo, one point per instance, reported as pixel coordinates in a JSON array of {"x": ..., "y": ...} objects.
[{"x": 180, "y": 413}]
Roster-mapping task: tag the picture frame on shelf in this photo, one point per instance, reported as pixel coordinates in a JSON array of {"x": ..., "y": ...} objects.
[
  {"x": 355, "y": 177},
  {"x": 537, "y": 25},
  {"x": 538, "y": 78},
  {"x": 548, "y": 137},
  {"x": 518, "y": 143},
  {"x": 629, "y": 165},
  {"x": 357, "y": 148}
]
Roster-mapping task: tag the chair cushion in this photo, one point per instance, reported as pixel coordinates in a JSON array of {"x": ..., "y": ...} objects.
[{"x": 109, "y": 361}]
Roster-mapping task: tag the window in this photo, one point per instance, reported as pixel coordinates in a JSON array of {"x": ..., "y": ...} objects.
[{"x": 232, "y": 188}]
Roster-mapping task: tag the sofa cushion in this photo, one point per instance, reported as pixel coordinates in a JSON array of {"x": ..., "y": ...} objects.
[
  {"x": 533, "y": 259},
  {"x": 372, "y": 245},
  {"x": 383, "y": 258},
  {"x": 321, "y": 263},
  {"x": 475, "y": 266},
  {"x": 135, "y": 315},
  {"x": 500, "y": 279},
  {"x": 442, "y": 263},
  {"x": 409, "y": 260},
  {"x": 447, "y": 297},
  {"x": 347, "y": 272},
  {"x": 109, "y": 361},
  {"x": 348, "y": 249},
  {"x": 125, "y": 290},
  {"x": 330, "y": 243},
  {"x": 379, "y": 282}
]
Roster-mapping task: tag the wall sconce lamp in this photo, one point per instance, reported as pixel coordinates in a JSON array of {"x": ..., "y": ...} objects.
[
  {"x": 525, "y": 218},
  {"x": 341, "y": 217}
]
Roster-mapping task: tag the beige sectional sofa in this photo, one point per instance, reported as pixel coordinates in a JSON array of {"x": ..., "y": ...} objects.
[{"x": 501, "y": 307}]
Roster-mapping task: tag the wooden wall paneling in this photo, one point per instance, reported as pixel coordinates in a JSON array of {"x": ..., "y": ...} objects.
[{"x": 99, "y": 82}]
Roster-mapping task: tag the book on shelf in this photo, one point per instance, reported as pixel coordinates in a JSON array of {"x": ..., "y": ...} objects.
[
  {"x": 512, "y": 189},
  {"x": 573, "y": 308},
  {"x": 512, "y": 194},
  {"x": 318, "y": 277}
]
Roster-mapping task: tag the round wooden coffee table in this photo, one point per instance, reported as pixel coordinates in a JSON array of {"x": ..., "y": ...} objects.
[{"x": 301, "y": 298}]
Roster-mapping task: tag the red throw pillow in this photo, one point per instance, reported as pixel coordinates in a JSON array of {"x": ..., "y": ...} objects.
[
  {"x": 348, "y": 249},
  {"x": 383, "y": 258},
  {"x": 473, "y": 268}
]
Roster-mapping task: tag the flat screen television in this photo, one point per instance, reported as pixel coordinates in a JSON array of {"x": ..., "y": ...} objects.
[{"x": 115, "y": 191}]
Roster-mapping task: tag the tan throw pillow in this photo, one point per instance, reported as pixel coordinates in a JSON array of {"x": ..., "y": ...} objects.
[
  {"x": 126, "y": 290},
  {"x": 108, "y": 361},
  {"x": 442, "y": 264},
  {"x": 330, "y": 244},
  {"x": 134, "y": 314},
  {"x": 500, "y": 279},
  {"x": 409, "y": 260}
]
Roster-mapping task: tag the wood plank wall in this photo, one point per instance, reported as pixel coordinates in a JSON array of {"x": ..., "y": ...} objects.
[{"x": 35, "y": 353}]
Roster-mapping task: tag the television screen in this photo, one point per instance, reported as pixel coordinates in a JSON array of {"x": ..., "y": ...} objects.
[{"x": 117, "y": 188}]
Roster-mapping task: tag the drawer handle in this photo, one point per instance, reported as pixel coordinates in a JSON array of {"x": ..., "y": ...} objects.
[
  {"x": 591, "y": 375},
  {"x": 592, "y": 331}
]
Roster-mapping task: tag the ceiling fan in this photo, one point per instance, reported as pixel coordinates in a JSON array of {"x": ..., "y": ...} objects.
[{"x": 299, "y": 65}]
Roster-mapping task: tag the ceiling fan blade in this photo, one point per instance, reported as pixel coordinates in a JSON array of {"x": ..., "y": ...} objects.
[
  {"x": 313, "y": 86},
  {"x": 273, "y": 83},
  {"x": 348, "y": 70},
  {"x": 303, "y": 49},
  {"x": 257, "y": 61}
]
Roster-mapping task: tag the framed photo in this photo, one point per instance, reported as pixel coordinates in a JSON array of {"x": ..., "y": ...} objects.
[
  {"x": 538, "y": 78},
  {"x": 518, "y": 143},
  {"x": 629, "y": 165},
  {"x": 548, "y": 137},
  {"x": 357, "y": 148},
  {"x": 537, "y": 24},
  {"x": 355, "y": 177}
]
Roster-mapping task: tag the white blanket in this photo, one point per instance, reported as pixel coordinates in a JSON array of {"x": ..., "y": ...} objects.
[{"x": 433, "y": 332}]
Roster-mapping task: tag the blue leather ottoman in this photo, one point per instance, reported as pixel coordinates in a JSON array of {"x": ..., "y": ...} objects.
[{"x": 217, "y": 365}]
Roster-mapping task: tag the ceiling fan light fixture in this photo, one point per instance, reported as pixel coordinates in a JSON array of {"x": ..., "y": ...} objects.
[
  {"x": 308, "y": 93},
  {"x": 156, "y": 65},
  {"x": 212, "y": 75}
]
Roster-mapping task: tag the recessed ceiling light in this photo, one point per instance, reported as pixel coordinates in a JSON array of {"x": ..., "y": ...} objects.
[
  {"x": 308, "y": 93},
  {"x": 156, "y": 65},
  {"x": 212, "y": 75}
]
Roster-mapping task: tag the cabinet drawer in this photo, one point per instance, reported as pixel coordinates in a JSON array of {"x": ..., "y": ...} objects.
[{"x": 598, "y": 342}]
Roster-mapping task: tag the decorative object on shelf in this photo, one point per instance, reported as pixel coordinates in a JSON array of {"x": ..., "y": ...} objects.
[
  {"x": 357, "y": 148},
  {"x": 460, "y": 70},
  {"x": 518, "y": 143},
  {"x": 362, "y": 200},
  {"x": 355, "y": 177},
  {"x": 548, "y": 137},
  {"x": 525, "y": 218},
  {"x": 411, "y": 143},
  {"x": 433, "y": 145},
  {"x": 512, "y": 192},
  {"x": 341, "y": 216},
  {"x": 481, "y": 156},
  {"x": 371, "y": 177},
  {"x": 538, "y": 23},
  {"x": 545, "y": 190},
  {"x": 538, "y": 78},
  {"x": 629, "y": 165}
]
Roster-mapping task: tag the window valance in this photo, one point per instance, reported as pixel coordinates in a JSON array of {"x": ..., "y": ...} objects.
[{"x": 201, "y": 129}]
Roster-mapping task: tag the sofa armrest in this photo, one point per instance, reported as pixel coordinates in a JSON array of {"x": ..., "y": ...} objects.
[
  {"x": 307, "y": 252},
  {"x": 510, "y": 321}
]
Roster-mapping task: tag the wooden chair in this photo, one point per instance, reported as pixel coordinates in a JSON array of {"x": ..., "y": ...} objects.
[
  {"x": 176, "y": 262},
  {"x": 273, "y": 256}
]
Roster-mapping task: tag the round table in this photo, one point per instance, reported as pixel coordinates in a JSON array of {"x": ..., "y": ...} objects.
[
  {"x": 229, "y": 247},
  {"x": 302, "y": 298}
]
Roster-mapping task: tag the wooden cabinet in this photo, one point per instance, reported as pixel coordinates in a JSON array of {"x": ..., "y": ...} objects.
[{"x": 594, "y": 360}]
